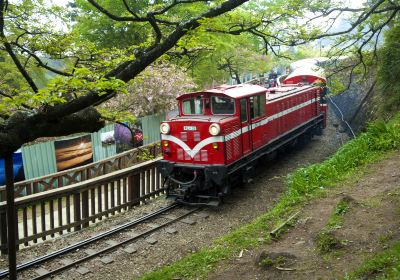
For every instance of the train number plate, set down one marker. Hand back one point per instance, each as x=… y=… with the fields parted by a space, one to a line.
x=189 y=128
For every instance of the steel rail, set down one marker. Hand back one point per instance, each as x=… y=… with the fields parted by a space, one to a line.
x=103 y=251
x=88 y=241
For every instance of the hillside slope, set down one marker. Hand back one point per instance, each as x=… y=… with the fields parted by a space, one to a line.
x=369 y=225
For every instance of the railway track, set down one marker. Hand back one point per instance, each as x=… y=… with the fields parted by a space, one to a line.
x=83 y=251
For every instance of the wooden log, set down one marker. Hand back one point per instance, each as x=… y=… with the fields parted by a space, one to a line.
x=274 y=233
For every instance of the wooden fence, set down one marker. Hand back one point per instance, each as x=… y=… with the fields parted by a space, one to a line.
x=59 y=210
x=86 y=172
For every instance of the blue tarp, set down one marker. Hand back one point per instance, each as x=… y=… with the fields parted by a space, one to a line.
x=18 y=169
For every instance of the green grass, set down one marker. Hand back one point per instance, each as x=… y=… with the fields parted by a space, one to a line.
x=303 y=185
x=326 y=239
x=385 y=265
x=336 y=219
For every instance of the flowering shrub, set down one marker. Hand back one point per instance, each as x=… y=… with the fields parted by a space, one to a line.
x=154 y=90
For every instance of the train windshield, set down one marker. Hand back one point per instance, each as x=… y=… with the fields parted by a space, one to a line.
x=193 y=106
x=222 y=105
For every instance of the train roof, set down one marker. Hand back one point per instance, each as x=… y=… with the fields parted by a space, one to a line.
x=305 y=74
x=233 y=91
x=284 y=90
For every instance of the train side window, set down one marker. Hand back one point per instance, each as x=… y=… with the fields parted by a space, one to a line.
x=222 y=105
x=262 y=104
x=254 y=107
x=257 y=106
x=243 y=110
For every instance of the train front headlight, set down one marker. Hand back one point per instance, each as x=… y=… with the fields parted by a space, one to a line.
x=165 y=128
x=214 y=129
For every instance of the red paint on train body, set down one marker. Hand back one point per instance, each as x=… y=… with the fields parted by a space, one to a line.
x=223 y=130
x=189 y=139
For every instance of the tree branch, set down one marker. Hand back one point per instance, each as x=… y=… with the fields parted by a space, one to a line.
x=111 y=15
x=156 y=29
x=128 y=8
x=21 y=128
x=41 y=63
x=77 y=115
x=175 y=3
x=10 y=51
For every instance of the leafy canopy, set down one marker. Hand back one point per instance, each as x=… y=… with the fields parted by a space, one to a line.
x=101 y=45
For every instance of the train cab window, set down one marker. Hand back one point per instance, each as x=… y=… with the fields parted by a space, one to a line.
x=243 y=110
x=222 y=105
x=193 y=106
x=257 y=106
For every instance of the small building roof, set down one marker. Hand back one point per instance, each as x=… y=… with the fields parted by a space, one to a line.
x=234 y=91
x=308 y=62
x=305 y=74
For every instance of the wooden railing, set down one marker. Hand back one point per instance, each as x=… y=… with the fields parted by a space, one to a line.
x=54 y=212
x=86 y=172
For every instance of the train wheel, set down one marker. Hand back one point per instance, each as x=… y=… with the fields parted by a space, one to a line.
x=226 y=188
x=248 y=174
x=304 y=139
x=318 y=130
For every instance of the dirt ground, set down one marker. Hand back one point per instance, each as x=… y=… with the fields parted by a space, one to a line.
x=370 y=225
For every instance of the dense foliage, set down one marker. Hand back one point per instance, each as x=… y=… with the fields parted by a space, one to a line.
x=95 y=47
x=91 y=72
x=389 y=68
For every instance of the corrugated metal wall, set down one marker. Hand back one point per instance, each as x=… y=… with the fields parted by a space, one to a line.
x=39 y=159
x=151 y=128
x=101 y=151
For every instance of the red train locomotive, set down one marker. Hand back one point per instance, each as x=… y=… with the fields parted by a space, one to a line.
x=220 y=134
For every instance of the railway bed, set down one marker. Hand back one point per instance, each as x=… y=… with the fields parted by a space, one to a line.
x=100 y=245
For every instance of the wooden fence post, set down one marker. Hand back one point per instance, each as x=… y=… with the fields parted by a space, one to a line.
x=77 y=210
x=85 y=207
x=3 y=231
x=85 y=199
x=134 y=189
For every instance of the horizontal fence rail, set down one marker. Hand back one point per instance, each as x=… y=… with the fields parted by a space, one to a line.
x=54 y=212
x=86 y=172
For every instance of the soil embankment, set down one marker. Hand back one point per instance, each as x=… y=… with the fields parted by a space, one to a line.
x=370 y=224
